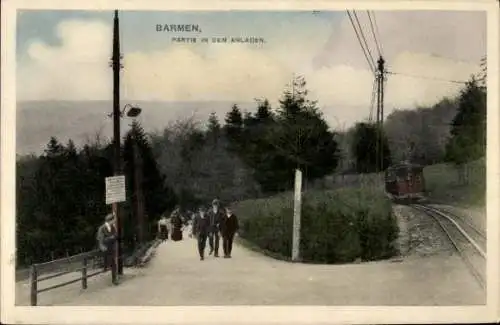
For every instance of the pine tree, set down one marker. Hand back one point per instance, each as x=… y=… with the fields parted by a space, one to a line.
x=156 y=196
x=264 y=112
x=300 y=137
x=214 y=128
x=233 y=128
x=54 y=148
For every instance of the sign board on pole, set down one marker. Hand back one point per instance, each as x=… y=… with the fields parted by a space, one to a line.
x=115 y=189
x=296 y=215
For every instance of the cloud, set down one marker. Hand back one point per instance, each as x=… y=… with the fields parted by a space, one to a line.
x=75 y=70
x=451 y=34
x=331 y=61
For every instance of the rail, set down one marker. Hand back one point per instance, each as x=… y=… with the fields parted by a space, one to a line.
x=85 y=258
x=433 y=212
x=458 y=227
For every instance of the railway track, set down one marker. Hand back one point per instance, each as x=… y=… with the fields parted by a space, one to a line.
x=468 y=240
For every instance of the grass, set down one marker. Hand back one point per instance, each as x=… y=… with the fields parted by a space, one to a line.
x=443 y=184
x=254 y=247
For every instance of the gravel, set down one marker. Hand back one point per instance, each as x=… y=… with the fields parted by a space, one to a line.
x=420 y=235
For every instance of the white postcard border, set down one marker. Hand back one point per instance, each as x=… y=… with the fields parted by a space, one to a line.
x=241 y=314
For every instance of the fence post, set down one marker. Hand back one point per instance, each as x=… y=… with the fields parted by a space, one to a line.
x=34 y=285
x=84 y=273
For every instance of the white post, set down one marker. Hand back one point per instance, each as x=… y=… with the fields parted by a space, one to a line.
x=296 y=216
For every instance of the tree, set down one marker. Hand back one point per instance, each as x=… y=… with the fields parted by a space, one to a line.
x=214 y=128
x=483 y=75
x=233 y=127
x=364 y=147
x=264 y=111
x=198 y=169
x=156 y=195
x=468 y=130
x=61 y=196
x=300 y=138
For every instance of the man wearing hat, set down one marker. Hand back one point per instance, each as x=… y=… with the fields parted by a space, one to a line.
x=200 y=231
x=215 y=216
x=106 y=240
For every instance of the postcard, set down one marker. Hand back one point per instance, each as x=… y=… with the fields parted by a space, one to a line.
x=232 y=162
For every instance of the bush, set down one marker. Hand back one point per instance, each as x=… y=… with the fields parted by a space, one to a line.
x=336 y=226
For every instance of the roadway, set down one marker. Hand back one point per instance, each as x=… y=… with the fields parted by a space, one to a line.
x=176 y=276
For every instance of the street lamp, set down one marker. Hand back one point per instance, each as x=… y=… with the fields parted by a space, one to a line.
x=133 y=111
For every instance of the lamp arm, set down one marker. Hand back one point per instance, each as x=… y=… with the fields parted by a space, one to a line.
x=124 y=108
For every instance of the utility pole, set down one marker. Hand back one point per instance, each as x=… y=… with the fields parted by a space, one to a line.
x=116 y=64
x=380 y=112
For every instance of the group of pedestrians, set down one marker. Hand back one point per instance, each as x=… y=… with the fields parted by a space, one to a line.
x=173 y=225
x=213 y=224
x=210 y=224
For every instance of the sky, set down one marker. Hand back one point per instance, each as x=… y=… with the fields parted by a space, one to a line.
x=64 y=55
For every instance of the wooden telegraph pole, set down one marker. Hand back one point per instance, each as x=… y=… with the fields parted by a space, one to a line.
x=380 y=112
x=116 y=64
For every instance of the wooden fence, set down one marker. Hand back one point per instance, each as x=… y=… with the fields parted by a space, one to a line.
x=333 y=182
x=87 y=261
x=83 y=263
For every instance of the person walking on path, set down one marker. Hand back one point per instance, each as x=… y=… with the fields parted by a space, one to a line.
x=215 y=216
x=229 y=227
x=176 y=221
x=107 y=239
x=163 y=228
x=200 y=230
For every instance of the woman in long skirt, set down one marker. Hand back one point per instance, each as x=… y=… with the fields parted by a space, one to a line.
x=163 y=229
x=176 y=225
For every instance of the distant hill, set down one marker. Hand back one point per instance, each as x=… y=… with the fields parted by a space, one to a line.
x=426 y=128
x=37 y=121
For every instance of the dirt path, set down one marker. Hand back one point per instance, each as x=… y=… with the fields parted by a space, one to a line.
x=176 y=276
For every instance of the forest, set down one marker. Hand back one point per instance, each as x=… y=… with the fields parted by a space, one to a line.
x=242 y=155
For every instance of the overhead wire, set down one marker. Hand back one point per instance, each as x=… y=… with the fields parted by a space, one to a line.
x=428 y=78
x=370 y=63
x=363 y=37
x=381 y=50
x=368 y=55
x=375 y=38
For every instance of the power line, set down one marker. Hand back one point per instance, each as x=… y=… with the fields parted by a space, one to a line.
x=377 y=31
x=428 y=78
x=373 y=33
x=363 y=36
x=361 y=43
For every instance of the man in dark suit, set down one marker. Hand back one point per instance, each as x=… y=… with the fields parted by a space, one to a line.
x=200 y=230
x=106 y=240
x=229 y=227
x=215 y=215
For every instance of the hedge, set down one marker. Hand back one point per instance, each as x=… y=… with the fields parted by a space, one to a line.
x=338 y=226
